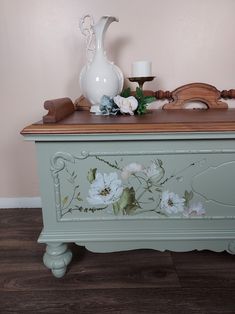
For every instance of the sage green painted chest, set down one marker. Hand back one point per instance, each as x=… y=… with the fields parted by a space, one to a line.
x=111 y=191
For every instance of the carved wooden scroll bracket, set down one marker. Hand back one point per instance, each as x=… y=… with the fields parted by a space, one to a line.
x=58 y=109
x=201 y=92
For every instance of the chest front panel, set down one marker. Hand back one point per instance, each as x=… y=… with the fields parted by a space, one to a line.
x=136 y=179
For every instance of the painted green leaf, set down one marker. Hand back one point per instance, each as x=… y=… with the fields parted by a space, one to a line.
x=116 y=208
x=91 y=175
x=188 y=197
x=65 y=200
x=127 y=203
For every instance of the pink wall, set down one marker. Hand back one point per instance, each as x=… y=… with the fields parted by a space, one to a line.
x=42 y=52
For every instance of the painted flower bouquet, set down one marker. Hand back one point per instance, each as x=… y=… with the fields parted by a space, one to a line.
x=109 y=189
x=125 y=103
x=131 y=188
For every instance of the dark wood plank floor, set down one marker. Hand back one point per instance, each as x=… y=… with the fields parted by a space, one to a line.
x=140 y=281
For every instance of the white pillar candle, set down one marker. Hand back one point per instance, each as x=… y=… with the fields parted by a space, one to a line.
x=141 y=68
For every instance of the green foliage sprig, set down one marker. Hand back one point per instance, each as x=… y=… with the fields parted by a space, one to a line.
x=143 y=101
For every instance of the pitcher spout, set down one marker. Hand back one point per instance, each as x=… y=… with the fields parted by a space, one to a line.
x=100 y=29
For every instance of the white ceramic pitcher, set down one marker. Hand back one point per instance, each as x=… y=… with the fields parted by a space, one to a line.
x=99 y=76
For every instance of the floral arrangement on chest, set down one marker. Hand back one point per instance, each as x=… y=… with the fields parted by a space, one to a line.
x=101 y=81
x=125 y=103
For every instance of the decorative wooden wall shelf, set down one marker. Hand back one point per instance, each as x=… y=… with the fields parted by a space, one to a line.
x=202 y=92
x=205 y=93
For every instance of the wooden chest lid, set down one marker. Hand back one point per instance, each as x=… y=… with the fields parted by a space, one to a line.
x=82 y=122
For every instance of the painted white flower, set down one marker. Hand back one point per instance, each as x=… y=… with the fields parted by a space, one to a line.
x=154 y=172
x=105 y=189
x=131 y=169
x=126 y=105
x=171 y=203
x=195 y=209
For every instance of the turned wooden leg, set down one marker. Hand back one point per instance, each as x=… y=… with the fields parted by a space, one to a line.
x=231 y=247
x=57 y=257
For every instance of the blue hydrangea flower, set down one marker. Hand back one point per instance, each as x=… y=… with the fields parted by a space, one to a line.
x=108 y=106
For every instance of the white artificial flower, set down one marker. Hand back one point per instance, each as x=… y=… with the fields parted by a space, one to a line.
x=126 y=105
x=131 y=169
x=171 y=203
x=105 y=189
x=154 y=172
x=196 y=209
x=95 y=109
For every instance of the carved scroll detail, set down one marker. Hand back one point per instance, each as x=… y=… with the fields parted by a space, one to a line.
x=221 y=175
x=58 y=109
x=228 y=94
x=160 y=94
x=231 y=247
x=58 y=164
x=204 y=93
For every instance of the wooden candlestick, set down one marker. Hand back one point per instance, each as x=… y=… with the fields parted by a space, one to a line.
x=141 y=80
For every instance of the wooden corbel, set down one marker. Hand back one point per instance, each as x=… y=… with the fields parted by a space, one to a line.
x=58 y=109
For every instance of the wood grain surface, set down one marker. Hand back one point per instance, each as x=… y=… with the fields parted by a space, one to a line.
x=82 y=122
x=138 y=281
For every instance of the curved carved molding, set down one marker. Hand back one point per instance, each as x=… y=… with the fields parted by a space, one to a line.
x=202 y=92
x=86 y=154
x=160 y=245
x=222 y=179
x=231 y=247
x=58 y=160
x=58 y=163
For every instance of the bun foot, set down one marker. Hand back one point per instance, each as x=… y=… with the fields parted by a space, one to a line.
x=57 y=257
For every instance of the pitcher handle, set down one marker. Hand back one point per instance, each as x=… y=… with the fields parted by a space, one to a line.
x=86 y=25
